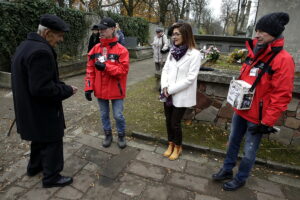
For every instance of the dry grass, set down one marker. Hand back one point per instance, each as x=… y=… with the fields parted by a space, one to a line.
x=144 y=113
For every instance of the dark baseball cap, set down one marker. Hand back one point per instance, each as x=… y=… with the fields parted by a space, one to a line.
x=106 y=22
x=54 y=22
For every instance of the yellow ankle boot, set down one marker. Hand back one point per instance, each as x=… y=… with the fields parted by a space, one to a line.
x=170 y=149
x=176 y=152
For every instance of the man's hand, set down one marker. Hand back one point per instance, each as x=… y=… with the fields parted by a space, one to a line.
x=262 y=129
x=75 y=89
x=88 y=95
x=100 y=66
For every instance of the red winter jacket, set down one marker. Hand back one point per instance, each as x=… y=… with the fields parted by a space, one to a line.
x=275 y=87
x=110 y=83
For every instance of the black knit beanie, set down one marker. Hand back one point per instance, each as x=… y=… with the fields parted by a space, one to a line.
x=273 y=23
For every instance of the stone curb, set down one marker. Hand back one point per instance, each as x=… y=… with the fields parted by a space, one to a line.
x=139 y=59
x=219 y=152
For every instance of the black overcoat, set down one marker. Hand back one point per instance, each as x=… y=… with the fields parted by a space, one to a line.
x=37 y=91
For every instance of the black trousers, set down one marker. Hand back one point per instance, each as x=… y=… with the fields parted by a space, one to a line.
x=173 y=123
x=46 y=157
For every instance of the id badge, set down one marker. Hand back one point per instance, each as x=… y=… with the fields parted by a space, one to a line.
x=254 y=72
x=102 y=59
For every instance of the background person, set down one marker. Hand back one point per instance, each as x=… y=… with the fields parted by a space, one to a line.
x=38 y=94
x=160 y=44
x=94 y=38
x=272 y=95
x=106 y=76
x=179 y=82
x=120 y=35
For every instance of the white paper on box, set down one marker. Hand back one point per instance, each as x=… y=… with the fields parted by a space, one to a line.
x=239 y=96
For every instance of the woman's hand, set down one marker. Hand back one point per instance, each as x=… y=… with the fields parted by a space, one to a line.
x=165 y=91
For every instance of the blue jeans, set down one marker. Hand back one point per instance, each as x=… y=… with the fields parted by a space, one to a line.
x=117 y=107
x=239 y=129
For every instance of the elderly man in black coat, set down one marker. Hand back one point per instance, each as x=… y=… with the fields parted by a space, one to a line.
x=38 y=94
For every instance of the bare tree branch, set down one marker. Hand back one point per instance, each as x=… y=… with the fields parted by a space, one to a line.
x=112 y=4
x=130 y=5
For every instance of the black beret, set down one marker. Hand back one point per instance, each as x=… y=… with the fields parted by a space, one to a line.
x=95 y=27
x=273 y=23
x=54 y=22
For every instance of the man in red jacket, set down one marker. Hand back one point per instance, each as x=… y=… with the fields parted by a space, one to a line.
x=106 y=76
x=273 y=93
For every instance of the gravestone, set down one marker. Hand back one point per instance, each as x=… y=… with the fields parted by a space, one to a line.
x=131 y=42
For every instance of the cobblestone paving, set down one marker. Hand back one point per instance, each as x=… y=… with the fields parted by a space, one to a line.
x=140 y=172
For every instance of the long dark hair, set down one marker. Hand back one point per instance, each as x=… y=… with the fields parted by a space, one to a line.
x=187 y=34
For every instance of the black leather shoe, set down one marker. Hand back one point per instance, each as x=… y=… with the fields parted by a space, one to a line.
x=233 y=185
x=63 y=181
x=222 y=175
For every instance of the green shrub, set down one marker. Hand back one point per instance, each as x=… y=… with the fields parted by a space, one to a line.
x=19 y=18
x=132 y=26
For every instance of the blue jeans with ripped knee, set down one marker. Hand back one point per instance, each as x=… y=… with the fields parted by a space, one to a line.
x=239 y=129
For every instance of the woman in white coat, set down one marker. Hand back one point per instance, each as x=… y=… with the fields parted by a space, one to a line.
x=179 y=84
x=160 y=47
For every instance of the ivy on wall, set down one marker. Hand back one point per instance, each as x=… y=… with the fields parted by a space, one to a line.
x=19 y=18
x=132 y=26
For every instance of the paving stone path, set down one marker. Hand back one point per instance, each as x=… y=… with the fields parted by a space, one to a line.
x=140 y=172
x=136 y=172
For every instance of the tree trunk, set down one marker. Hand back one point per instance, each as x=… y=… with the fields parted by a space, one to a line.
x=242 y=16
x=236 y=19
x=71 y=3
x=61 y=3
x=163 y=9
x=182 y=10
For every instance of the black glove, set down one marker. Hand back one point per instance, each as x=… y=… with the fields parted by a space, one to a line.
x=100 y=66
x=88 y=95
x=262 y=129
